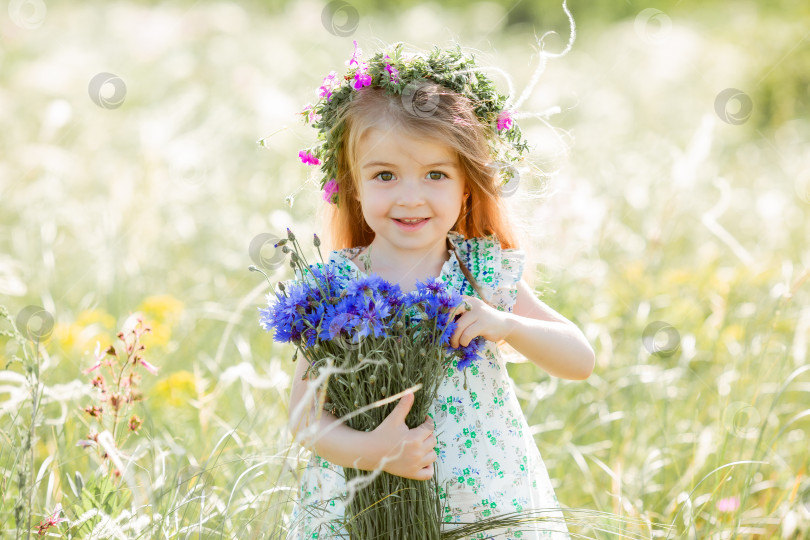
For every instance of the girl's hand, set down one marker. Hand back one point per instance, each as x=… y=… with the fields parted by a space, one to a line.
x=405 y=452
x=479 y=320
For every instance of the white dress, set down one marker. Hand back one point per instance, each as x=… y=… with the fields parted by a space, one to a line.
x=488 y=462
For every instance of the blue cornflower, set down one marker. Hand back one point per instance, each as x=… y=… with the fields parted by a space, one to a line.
x=372 y=310
x=372 y=286
x=470 y=352
x=341 y=318
x=433 y=285
x=431 y=305
x=449 y=298
x=450 y=327
x=384 y=287
x=323 y=305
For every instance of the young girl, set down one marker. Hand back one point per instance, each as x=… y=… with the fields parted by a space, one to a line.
x=416 y=151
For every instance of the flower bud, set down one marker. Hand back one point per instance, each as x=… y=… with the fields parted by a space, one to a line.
x=116 y=401
x=290 y=235
x=134 y=423
x=316 y=241
x=372 y=379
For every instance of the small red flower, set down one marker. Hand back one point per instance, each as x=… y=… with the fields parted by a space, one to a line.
x=51 y=520
x=116 y=400
x=148 y=367
x=135 y=423
x=94 y=411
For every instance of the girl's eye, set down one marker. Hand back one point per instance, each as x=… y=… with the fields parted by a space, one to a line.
x=386 y=176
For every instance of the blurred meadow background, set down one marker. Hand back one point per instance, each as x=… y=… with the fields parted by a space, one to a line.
x=674 y=235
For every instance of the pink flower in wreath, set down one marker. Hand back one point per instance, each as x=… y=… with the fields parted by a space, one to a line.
x=330 y=191
x=504 y=120
x=308 y=159
x=361 y=77
x=330 y=82
x=310 y=114
x=393 y=72
x=355 y=59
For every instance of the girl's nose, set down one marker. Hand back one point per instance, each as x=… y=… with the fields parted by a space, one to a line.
x=410 y=193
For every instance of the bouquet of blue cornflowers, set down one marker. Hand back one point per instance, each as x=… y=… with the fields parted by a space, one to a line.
x=372 y=341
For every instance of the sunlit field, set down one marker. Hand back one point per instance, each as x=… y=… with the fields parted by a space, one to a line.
x=149 y=150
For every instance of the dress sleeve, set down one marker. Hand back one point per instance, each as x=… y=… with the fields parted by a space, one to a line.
x=512 y=262
x=497 y=271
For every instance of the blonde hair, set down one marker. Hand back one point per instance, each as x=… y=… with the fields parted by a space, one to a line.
x=453 y=122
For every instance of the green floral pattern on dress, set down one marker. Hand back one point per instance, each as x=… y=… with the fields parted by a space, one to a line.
x=488 y=462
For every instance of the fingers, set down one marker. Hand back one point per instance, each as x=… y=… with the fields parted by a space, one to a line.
x=415 y=458
x=461 y=308
x=425 y=473
x=428 y=426
x=456 y=338
x=432 y=442
x=461 y=328
x=402 y=409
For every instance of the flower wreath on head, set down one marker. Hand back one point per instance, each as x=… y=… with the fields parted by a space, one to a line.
x=402 y=74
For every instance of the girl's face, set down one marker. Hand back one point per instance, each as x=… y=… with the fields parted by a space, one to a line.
x=406 y=177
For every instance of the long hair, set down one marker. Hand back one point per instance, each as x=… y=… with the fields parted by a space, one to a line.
x=451 y=120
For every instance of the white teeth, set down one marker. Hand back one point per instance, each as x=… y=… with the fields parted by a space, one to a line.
x=412 y=220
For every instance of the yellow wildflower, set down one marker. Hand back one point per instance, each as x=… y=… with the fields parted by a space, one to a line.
x=177 y=388
x=161 y=312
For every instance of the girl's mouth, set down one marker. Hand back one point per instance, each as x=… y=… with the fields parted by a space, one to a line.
x=413 y=226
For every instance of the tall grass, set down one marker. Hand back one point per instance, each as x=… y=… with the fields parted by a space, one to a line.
x=676 y=240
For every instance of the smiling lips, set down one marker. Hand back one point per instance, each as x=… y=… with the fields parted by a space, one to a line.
x=411 y=225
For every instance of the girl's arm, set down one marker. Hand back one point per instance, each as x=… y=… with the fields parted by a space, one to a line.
x=392 y=445
x=548 y=339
